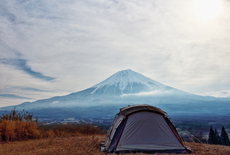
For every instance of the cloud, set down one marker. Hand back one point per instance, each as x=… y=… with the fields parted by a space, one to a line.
x=13 y=96
x=21 y=64
x=31 y=89
x=223 y=93
x=151 y=93
x=68 y=46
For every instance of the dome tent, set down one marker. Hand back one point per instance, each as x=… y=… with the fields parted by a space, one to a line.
x=142 y=128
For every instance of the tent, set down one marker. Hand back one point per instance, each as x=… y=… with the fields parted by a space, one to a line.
x=142 y=128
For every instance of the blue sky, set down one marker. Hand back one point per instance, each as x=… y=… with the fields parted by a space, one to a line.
x=55 y=47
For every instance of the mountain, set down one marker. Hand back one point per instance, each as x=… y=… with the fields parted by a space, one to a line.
x=128 y=82
x=123 y=88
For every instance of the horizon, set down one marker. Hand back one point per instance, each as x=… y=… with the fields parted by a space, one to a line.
x=53 y=48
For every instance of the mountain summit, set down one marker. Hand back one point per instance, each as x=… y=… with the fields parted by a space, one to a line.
x=126 y=82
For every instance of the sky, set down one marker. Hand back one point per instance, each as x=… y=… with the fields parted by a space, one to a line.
x=56 y=47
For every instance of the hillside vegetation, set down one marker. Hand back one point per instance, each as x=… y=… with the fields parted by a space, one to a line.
x=86 y=145
x=15 y=126
x=70 y=139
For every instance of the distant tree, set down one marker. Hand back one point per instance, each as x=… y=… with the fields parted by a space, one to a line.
x=217 y=137
x=214 y=137
x=224 y=137
x=211 y=137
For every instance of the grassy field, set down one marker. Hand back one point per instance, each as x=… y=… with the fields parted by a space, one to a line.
x=86 y=145
x=80 y=145
x=21 y=135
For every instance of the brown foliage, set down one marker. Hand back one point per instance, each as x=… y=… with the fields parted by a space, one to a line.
x=15 y=126
x=17 y=130
x=87 y=145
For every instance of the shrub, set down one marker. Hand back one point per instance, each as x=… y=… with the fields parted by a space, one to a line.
x=18 y=126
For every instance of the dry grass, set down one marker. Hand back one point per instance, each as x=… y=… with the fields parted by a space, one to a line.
x=15 y=126
x=18 y=130
x=82 y=145
x=86 y=145
x=207 y=149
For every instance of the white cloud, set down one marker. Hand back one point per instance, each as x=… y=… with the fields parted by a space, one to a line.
x=80 y=43
x=151 y=93
x=224 y=93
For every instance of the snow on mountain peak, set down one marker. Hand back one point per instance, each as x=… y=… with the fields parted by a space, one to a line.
x=127 y=77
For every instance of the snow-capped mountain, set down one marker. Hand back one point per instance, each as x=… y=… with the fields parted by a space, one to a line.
x=128 y=82
x=123 y=88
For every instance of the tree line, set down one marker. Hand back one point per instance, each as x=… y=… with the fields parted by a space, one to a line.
x=215 y=138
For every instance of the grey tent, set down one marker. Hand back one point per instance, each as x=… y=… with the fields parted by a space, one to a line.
x=142 y=128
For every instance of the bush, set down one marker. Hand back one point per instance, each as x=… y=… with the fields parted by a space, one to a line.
x=17 y=130
x=18 y=126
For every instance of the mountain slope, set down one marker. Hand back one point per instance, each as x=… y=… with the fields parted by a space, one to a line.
x=121 y=89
